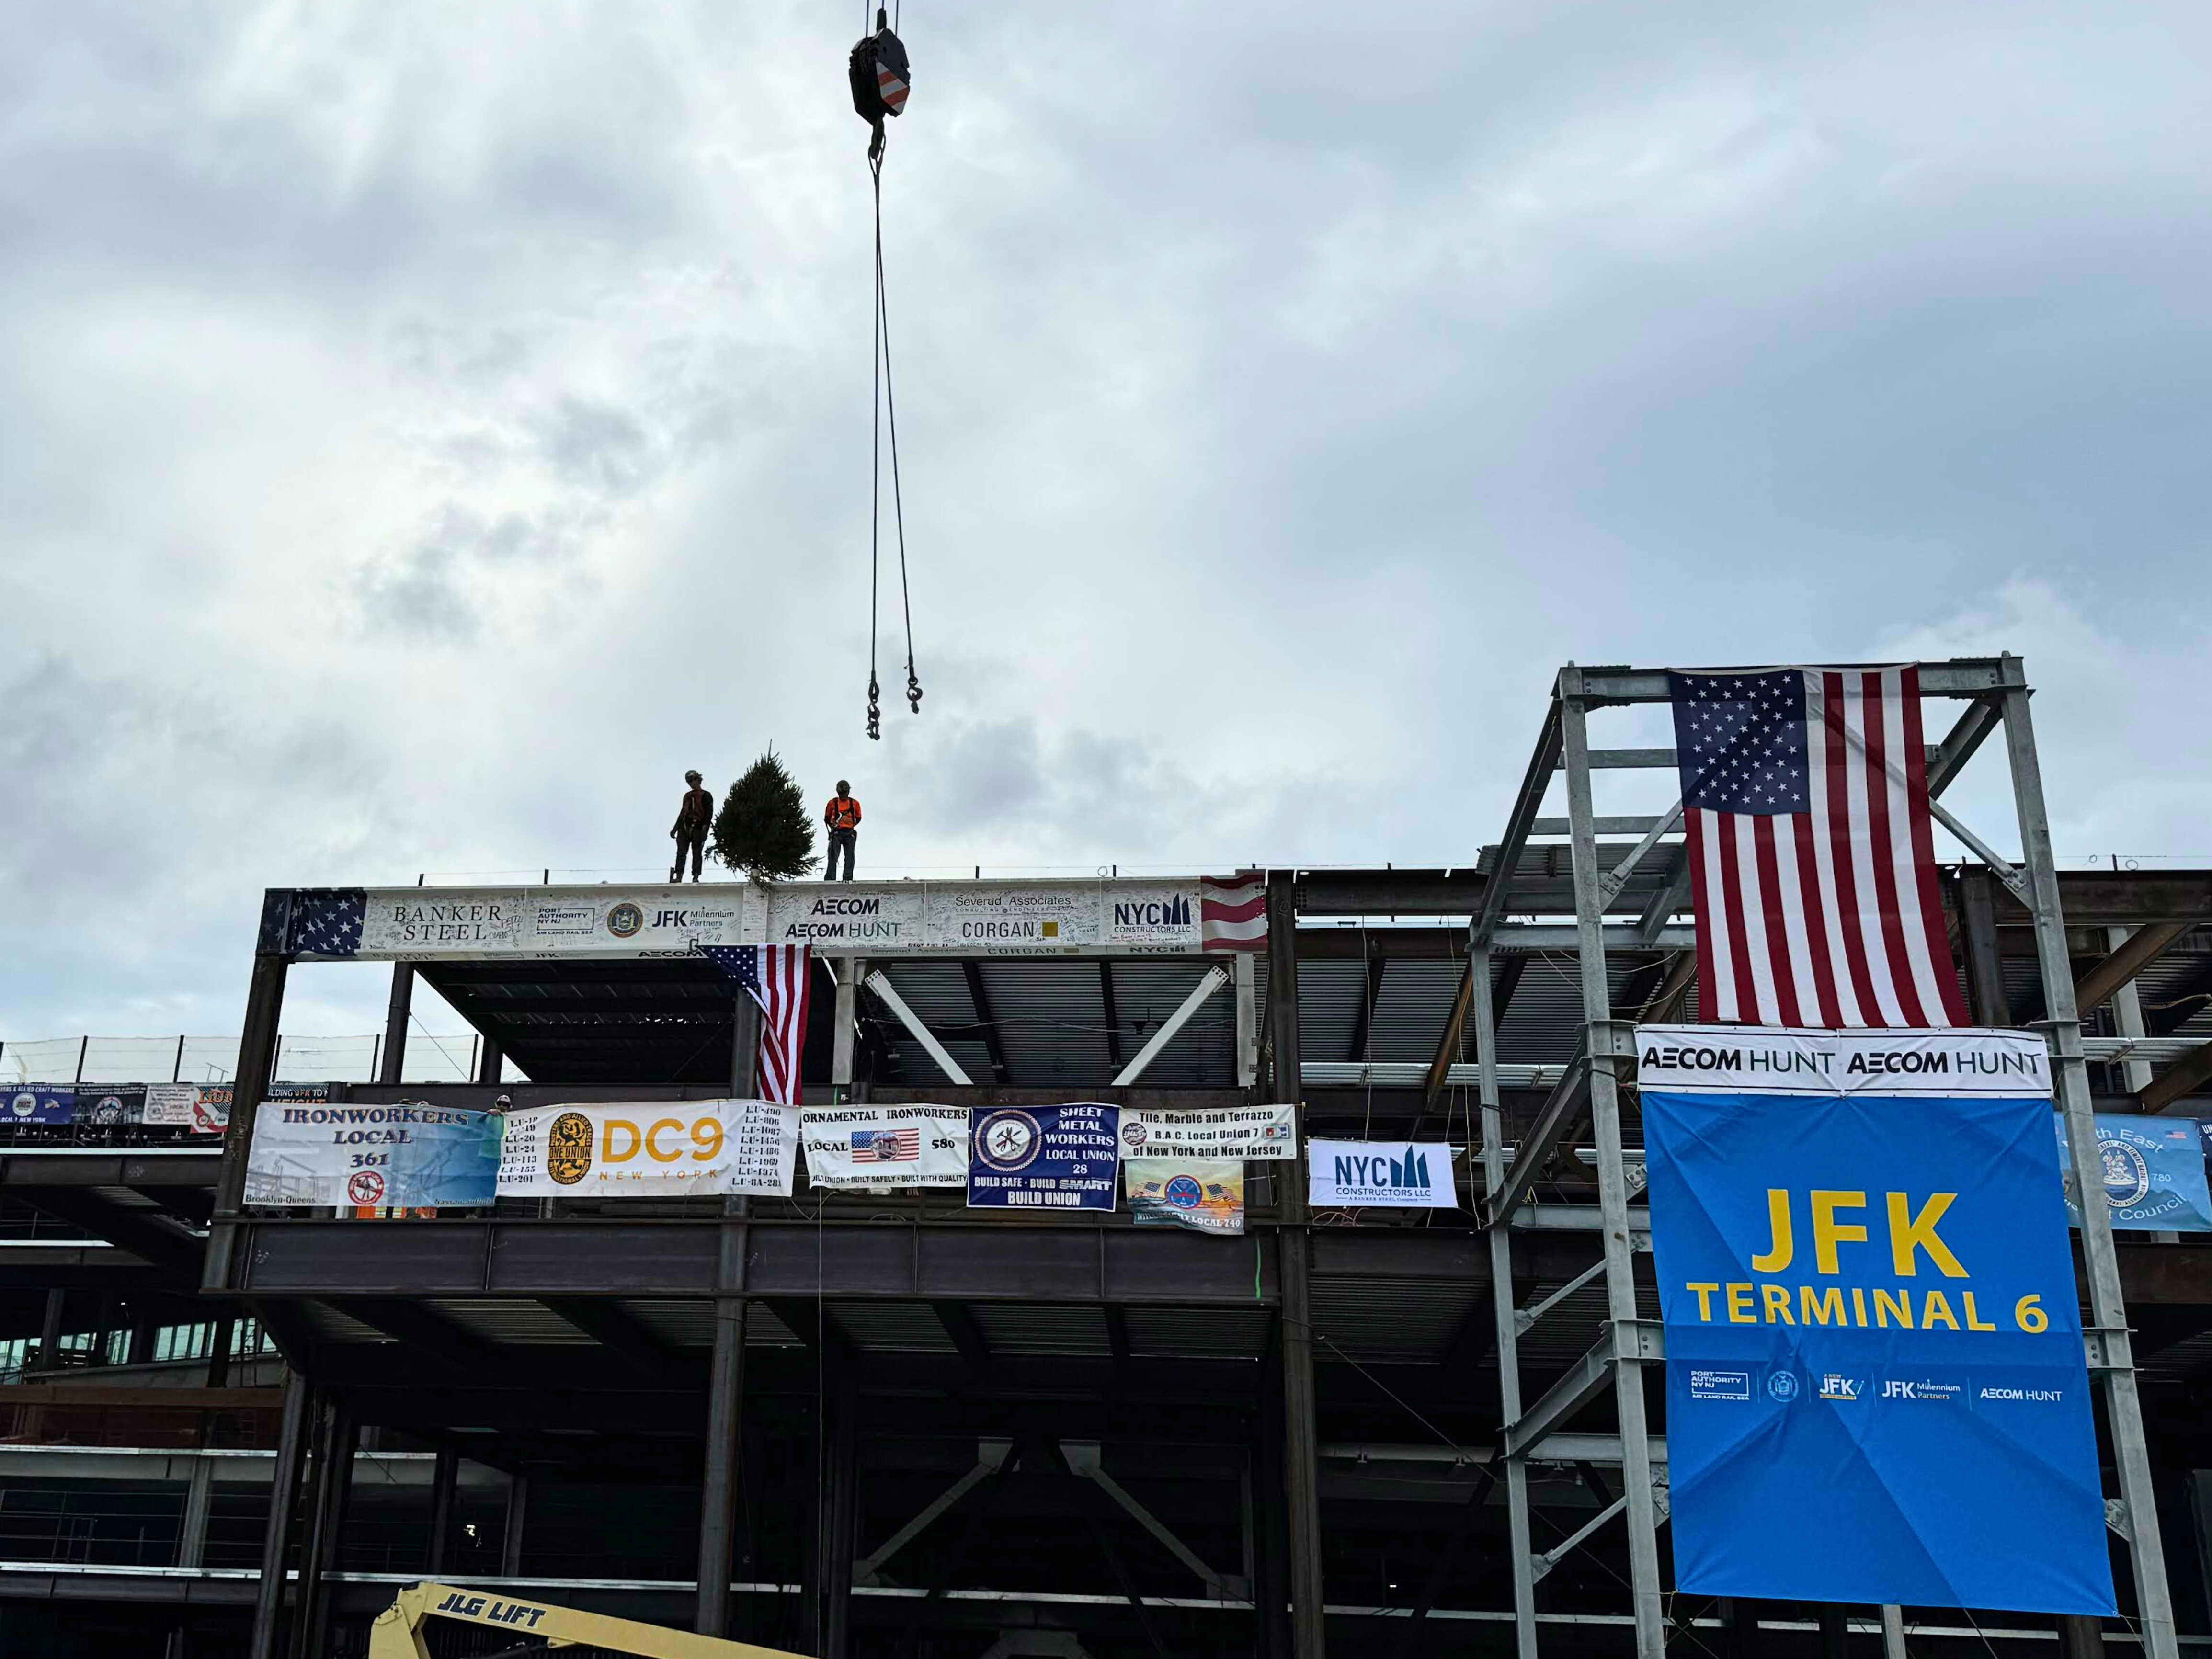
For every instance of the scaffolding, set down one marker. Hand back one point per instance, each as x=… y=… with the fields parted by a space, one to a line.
x=1996 y=693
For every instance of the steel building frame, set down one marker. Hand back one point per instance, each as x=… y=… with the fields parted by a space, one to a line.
x=1996 y=692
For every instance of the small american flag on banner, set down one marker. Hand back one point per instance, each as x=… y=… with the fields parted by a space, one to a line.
x=887 y=1146
x=1232 y=912
x=779 y=978
x=1805 y=796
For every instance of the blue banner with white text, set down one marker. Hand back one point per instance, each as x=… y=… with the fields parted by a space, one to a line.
x=1044 y=1158
x=2153 y=1170
x=1875 y=1385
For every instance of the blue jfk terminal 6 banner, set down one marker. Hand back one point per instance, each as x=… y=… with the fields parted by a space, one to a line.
x=1875 y=1384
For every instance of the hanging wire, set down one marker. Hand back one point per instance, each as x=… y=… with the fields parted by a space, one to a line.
x=883 y=413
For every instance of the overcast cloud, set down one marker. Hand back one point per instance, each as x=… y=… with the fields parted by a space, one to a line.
x=425 y=430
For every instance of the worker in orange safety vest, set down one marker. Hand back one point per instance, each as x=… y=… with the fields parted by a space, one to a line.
x=842 y=815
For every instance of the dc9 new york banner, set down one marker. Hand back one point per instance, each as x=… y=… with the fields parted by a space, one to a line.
x=1875 y=1385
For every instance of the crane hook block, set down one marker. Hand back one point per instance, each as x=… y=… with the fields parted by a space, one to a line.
x=879 y=74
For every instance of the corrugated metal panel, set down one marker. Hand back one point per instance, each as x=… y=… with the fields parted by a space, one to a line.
x=1192 y=1333
x=1389 y=1319
x=504 y=1321
x=889 y=1327
x=1414 y=1008
x=332 y=1326
x=690 y=1324
x=1038 y=1328
x=1051 y=1019
x=1329 y=995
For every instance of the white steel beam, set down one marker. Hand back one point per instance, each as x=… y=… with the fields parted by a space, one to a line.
x=879 y=982
x=1216 y=977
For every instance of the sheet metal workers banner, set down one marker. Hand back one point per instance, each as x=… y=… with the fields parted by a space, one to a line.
x=1223 y=1132
x=880 y=1146
x=1875 y=1386
x=418 y=1155
x=2153 y=1173
x=1044 y=1158
x=654 y=1149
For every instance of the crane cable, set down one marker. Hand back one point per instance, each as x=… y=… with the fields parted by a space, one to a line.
x=883 y=414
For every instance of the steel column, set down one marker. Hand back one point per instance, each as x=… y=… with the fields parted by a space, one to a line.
x=49 y=1329
x=842 y=1531
x=1501 y=1306
x=517 y=1515
x=842 y=1039
x=283 y=1493
x=445 y=1479
x=1893 y=1632
x=221 y=1340
x=2127 y=1016
x=718 y=1507
x=192 y=1525
x=396 y=1014
x=491 y=1061
x=334 y=1439
x=1248 y=1019
x=256 y=1058
x=1300 y=1451
x=2107 y=1307
x=745 y=1047
x=1641 y=1514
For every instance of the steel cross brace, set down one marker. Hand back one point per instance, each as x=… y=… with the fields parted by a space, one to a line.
x=1625 y=1339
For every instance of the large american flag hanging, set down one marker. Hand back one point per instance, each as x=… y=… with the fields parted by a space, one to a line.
x=778 y=977
x=1805 y=795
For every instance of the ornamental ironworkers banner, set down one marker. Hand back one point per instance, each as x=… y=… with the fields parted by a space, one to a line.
x=1222 y=1132
x=415 y=1156
x=1380 y=1175
x=881 y=1146
x=651 y=1149
x=1206 y=1194
x=1044 y=1158
x=2153 y=1173
x=1875 y=1384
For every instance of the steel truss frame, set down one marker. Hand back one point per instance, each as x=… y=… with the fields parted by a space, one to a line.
x=1996 y=692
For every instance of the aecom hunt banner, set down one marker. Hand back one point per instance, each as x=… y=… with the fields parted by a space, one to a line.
x=1875 y=1384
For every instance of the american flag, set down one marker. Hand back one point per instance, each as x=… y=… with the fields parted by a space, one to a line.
x=327 y=921
x=887 y=1146
x=778 y=977
x=1805 y=795
x=1232 y=912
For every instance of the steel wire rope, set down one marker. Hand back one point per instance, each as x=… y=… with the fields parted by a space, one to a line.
x=883 y=413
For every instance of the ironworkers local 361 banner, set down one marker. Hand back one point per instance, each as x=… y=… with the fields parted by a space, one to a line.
x=1875 y=1384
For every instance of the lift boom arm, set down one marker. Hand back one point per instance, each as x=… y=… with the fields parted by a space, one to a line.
x=398 y=1632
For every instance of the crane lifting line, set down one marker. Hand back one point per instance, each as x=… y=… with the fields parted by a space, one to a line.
x=883 y=413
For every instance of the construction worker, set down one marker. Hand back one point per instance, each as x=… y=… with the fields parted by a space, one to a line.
x=842 y=815
x=693 y=819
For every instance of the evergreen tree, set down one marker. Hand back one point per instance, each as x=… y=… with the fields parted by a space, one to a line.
x=764 y=829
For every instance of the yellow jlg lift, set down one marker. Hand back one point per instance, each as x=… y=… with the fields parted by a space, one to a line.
x=398 y=1632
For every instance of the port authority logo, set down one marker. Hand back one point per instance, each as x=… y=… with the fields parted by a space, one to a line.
x=625 y=920
x=1008 y=1141
x=1847 y=1388
x=1782 y=1387
x=1710 y=1383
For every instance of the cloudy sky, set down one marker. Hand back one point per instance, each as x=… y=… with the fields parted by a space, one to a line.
x=425 y=430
